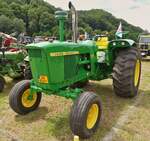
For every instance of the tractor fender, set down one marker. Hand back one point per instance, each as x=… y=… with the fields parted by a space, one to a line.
x=121 y=43
x=116 y=45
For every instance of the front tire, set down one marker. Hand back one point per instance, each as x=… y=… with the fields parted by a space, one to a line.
x=127 y=72
x=20 y=99
x=86 y=115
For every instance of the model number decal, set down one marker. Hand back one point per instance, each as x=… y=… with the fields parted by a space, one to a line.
x=55 y=54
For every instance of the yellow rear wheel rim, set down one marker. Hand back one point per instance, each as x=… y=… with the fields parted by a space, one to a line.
x=137 y=73
x=92 y=116
x=26 y=102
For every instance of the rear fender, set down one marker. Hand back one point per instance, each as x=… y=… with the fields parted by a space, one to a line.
x=116 y=45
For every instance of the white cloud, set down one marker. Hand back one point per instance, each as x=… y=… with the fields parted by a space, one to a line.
x=134 y=11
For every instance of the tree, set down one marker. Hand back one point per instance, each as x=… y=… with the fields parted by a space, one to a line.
x=5 y=9
x=18 y=25
x=46 y=22
x=5 y=24
x=38 y=18
x=16 y=10
x=81 y=30
x=25 y=17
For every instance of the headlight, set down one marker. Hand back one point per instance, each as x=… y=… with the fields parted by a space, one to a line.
x=114 y=43
x=123 y=43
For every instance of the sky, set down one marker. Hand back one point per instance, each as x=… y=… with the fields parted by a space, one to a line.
x=136 y=12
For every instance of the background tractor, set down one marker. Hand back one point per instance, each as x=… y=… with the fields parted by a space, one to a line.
x=11 y=64
x=59 y=68
x=12 y=61
x=144 y=45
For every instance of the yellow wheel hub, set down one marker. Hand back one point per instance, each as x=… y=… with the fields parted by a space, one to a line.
x=137 y=73
x=26 y=102
x=92 y=116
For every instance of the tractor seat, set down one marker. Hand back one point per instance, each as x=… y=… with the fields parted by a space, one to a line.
x=102 y=42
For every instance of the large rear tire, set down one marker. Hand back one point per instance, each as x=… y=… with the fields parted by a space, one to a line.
x=127 y=72
x=85 y=115
x=20 y=99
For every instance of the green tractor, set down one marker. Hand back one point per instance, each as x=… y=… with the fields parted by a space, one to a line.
x=13 y=59
x=61 y=68
x=11 y=64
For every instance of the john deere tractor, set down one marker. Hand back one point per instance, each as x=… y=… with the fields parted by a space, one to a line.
x=58 y=66
x=11 y=64
x=11 y=58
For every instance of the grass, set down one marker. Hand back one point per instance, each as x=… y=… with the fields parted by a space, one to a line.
x=137 y=128
x=51 y=121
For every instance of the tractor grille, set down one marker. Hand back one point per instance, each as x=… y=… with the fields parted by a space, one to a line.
x=70 y=66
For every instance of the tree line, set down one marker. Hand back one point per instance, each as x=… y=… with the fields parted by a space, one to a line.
x=36 y=17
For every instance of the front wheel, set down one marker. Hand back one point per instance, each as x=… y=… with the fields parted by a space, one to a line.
x=127 y=72
x=20 y=99
x=85 y=115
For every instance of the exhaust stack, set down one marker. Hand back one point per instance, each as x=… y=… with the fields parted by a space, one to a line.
x=74 y=21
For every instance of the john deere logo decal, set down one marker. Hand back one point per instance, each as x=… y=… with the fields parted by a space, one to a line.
x=54 y=54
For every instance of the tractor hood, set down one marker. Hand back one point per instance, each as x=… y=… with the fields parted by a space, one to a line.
x=58 y=62
x=57 y=44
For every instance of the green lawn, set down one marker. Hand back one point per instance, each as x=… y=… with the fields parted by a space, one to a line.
x=50 y=121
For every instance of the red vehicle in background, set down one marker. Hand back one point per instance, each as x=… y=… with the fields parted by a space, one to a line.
x=7 y=40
